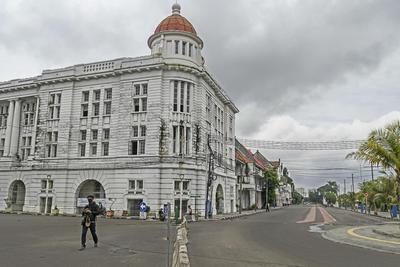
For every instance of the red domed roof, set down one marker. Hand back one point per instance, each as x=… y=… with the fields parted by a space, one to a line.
x=175 y=22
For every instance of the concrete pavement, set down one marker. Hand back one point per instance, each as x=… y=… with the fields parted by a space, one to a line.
x=54 y=241
x=275 y=239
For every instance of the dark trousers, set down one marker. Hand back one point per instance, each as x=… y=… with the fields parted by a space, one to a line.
x=92 y=228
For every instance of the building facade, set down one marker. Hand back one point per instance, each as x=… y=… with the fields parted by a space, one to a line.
x=126 y=130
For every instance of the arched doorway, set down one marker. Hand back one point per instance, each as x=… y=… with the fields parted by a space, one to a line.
x=86 y=188
x=219 y=200
x=16 y=195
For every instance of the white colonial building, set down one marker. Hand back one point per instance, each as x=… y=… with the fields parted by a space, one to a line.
x=126 y=130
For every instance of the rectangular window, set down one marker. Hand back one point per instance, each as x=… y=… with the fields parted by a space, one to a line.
x=136 y=104
x=83 y=135
x=82 y=150
x=108 y=93
x=107 y=108
x=175 y=96
x=182 y=102
x=177 y=185
x=32 y=118
x=183 y=48
x=137 y=89
x=139 y=184
x=55 y=136
x=95 y=134
x=54 y=150
x=133 y=148
x=96 y=95
x=187 y=143
x=142 y=130
x=50 y=184
x=85 y=110
x=49 y=136
x=142 y=146
x=51 y=112
x=181 y=139
x=144 y=88
x=132 y=185
x=48 y=148
x=106 y=134
x=144 y=104
x=85 y=96
x=188 y=98
x=52 y=100
x=57 y=112
x=93 y=149
x=135 y=131
x=176 y=47
x=96 y=109
x=190 y=49
x=44 y=184
x=105 y=148
x=174 y=138
x=26 y=120
x=185 y=185
x=58 y=98
x=29 y=140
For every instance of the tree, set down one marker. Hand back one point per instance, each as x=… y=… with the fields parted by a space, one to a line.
x=382 y=148
x=271 y=176
x=297 y=198
x=330 y=198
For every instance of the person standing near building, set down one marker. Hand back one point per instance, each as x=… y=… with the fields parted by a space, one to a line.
x=89 y=214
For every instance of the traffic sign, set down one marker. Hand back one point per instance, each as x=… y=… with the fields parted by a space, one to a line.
x=143 y=207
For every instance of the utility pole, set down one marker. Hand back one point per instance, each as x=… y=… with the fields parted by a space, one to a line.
x=240 y=188
x=352 y=196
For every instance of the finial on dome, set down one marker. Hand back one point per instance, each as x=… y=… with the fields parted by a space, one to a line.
x=176 y=9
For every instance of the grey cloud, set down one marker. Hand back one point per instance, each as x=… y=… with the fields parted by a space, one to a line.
x=299 y=48
x=273 y=55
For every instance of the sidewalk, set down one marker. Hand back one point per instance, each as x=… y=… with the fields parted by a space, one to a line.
x=384 y=238
x=381 y=214
x=229 y=216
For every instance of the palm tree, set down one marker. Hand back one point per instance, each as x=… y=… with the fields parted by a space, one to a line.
x=383 y=148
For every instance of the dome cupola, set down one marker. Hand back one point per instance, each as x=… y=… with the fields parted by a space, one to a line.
x=176 y=38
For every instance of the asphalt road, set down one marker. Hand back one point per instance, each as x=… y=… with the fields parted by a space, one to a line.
x=54 y=241
x=275 y=239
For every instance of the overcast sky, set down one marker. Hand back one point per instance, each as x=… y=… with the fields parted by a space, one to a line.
x=297 y=70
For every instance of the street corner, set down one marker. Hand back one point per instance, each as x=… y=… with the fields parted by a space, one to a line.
x=383 y=238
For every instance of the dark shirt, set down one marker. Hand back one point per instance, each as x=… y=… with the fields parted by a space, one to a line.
x=94 y=208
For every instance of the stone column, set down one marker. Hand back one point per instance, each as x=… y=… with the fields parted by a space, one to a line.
x=15 y=128
x=10 y=118
x=34 y=132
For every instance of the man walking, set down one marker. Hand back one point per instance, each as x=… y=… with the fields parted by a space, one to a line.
x=89 y=221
